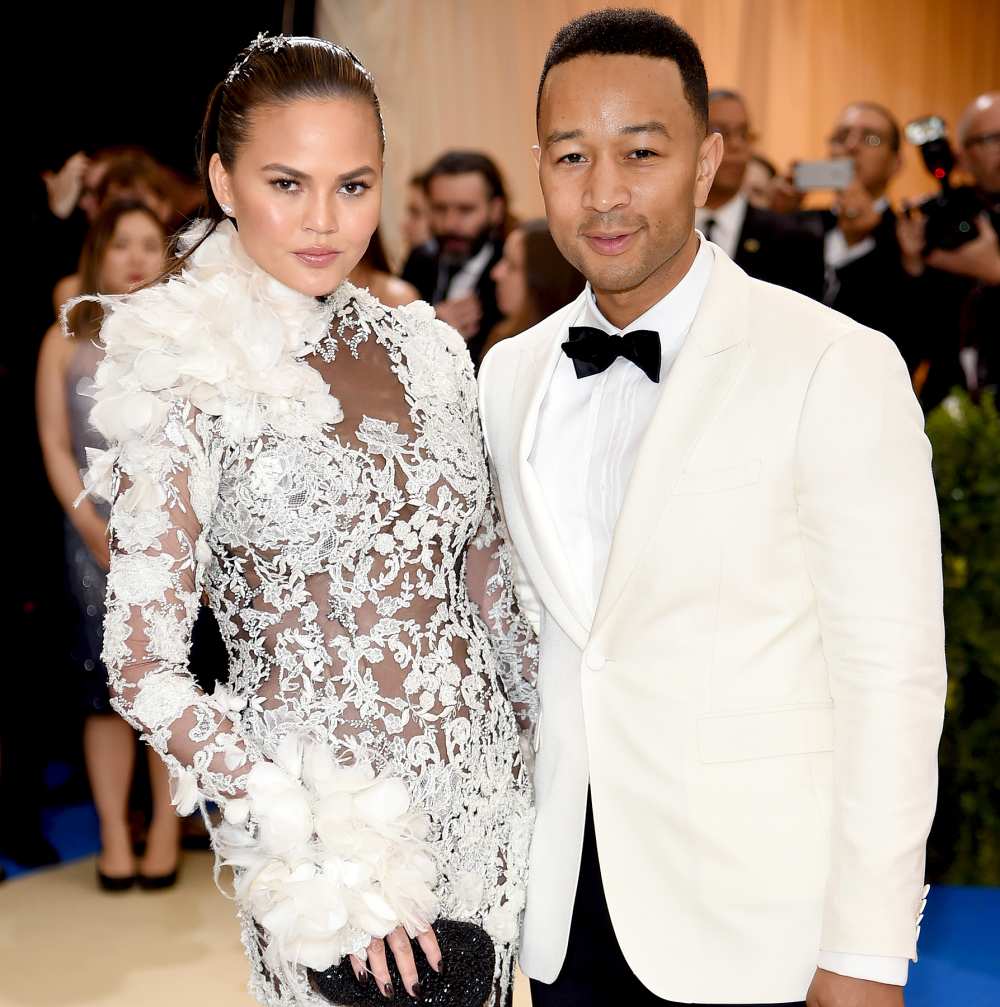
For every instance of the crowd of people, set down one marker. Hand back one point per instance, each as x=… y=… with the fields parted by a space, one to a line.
x=492 y=276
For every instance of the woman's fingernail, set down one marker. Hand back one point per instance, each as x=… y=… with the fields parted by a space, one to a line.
x=417 y=990
x=362 y=978
x=388 y=992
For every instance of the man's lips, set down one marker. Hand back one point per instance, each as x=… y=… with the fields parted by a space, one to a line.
x=613 y=243
x=316 y=257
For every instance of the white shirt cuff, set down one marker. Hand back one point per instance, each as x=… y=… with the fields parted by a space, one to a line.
x=874 y=968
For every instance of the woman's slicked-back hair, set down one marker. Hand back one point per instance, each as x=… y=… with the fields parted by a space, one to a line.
x=619 y=31
x=273 y=71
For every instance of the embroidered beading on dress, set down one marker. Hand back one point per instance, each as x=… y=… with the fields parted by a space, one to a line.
x=350 y=548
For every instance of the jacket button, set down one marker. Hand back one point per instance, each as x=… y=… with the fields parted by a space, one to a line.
x=595 y=660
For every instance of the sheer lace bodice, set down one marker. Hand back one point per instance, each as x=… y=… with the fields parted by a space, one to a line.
x=354 y=558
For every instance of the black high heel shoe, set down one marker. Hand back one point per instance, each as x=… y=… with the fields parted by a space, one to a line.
x=109 y=884
x=157 y=882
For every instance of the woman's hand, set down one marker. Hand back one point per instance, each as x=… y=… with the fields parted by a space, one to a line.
x=400 y=946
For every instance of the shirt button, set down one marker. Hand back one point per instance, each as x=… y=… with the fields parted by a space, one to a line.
x=595 y=660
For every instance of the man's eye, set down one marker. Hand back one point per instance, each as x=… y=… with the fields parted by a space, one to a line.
x=643 y=154
x=571 y=159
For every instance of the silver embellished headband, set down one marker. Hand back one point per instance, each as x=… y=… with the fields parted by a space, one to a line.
x=274 y=43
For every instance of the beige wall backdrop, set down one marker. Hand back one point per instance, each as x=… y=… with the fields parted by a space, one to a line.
x=463 y=73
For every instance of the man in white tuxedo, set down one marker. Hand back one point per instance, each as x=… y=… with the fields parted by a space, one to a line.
x=720 y=494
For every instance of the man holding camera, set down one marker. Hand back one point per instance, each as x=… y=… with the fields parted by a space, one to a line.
x=864 y=275
x=959 y=288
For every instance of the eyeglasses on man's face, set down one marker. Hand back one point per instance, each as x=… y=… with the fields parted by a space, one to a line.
x=736 y=134
x=983 y=140
x=867 y=137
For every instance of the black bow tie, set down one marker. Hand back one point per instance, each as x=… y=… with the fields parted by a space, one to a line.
x=594 y=350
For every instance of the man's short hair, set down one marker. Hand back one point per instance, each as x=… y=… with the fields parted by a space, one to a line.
x=895 y=133
x=627 y=32
x=726 y=93
x=464 y=162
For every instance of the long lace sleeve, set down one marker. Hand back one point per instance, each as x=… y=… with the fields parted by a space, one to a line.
x=490 y=580
x=163 y=490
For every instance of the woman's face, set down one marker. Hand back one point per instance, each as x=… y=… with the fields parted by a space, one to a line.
x=416 y=218
x=306 y=189
x=510 y=276
x=134 y=255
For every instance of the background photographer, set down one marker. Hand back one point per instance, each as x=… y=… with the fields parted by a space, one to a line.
x=959 y=289
x=864 y=274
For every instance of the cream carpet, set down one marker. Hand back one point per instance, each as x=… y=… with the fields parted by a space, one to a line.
x=63 y=942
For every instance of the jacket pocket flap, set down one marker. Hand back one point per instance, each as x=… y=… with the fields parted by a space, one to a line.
x=741 y=736
x=716 y=480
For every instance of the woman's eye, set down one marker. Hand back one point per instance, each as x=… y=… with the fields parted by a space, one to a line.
x=355 y=188
x=285 y=184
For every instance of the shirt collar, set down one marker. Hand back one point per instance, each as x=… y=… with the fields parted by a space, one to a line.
x=728 y=216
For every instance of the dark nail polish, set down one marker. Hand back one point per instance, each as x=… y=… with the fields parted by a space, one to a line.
x=417 y=991
x=439 y=968
x=362 y=978
x=388 y=992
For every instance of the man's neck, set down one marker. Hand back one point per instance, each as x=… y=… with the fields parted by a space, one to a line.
x=717 y=197
x=622 y=307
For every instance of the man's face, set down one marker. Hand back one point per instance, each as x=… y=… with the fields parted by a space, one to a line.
x=623 y=162
x=462 y=212
x=728 y=118
x=864 y=135
x=981 y=152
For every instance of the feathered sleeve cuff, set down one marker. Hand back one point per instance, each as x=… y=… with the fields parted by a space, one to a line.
x=326 y=856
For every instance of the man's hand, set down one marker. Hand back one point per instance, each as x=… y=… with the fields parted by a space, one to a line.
x=979 y=258
x=463 y=313
x=64 y=187
x=785 y=198
x=911 y=228
x=828 y=989
x=857 y=216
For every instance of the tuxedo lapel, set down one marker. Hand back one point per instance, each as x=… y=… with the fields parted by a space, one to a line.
x=556 y=587
x=711 y=361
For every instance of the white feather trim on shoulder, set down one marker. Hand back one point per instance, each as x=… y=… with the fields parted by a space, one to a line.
x=224 y=335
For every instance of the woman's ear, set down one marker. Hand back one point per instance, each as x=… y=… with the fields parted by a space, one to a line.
x=220 y=181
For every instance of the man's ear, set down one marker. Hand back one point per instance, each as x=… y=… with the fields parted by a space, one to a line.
x=536 y=153
x=709 y=158
x=220 y=181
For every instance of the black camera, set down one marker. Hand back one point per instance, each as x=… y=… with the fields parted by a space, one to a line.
x=951 y=214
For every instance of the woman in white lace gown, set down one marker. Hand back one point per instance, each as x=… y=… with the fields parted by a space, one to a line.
x=311 y=462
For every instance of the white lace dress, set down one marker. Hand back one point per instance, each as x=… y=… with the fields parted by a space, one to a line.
x=316 y=471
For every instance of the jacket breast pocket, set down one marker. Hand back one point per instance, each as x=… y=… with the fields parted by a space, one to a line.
x=719 y=480
x=737 y=737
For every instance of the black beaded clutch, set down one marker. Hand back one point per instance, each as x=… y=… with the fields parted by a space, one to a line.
x=466 y=979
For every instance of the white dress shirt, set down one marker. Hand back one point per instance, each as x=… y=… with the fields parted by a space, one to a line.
x=588 y=438
x=727 y=223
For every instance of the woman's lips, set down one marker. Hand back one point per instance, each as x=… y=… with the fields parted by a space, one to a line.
x=316 y=258
x=610 y=244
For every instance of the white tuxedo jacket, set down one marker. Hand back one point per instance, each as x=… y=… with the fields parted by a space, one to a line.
x=758 y=701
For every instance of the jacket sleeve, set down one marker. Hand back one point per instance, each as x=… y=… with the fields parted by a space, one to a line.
x=870 y=533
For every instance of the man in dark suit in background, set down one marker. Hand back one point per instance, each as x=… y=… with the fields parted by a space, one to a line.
x=468 y=207
x=769 y=246
x=865 y=278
